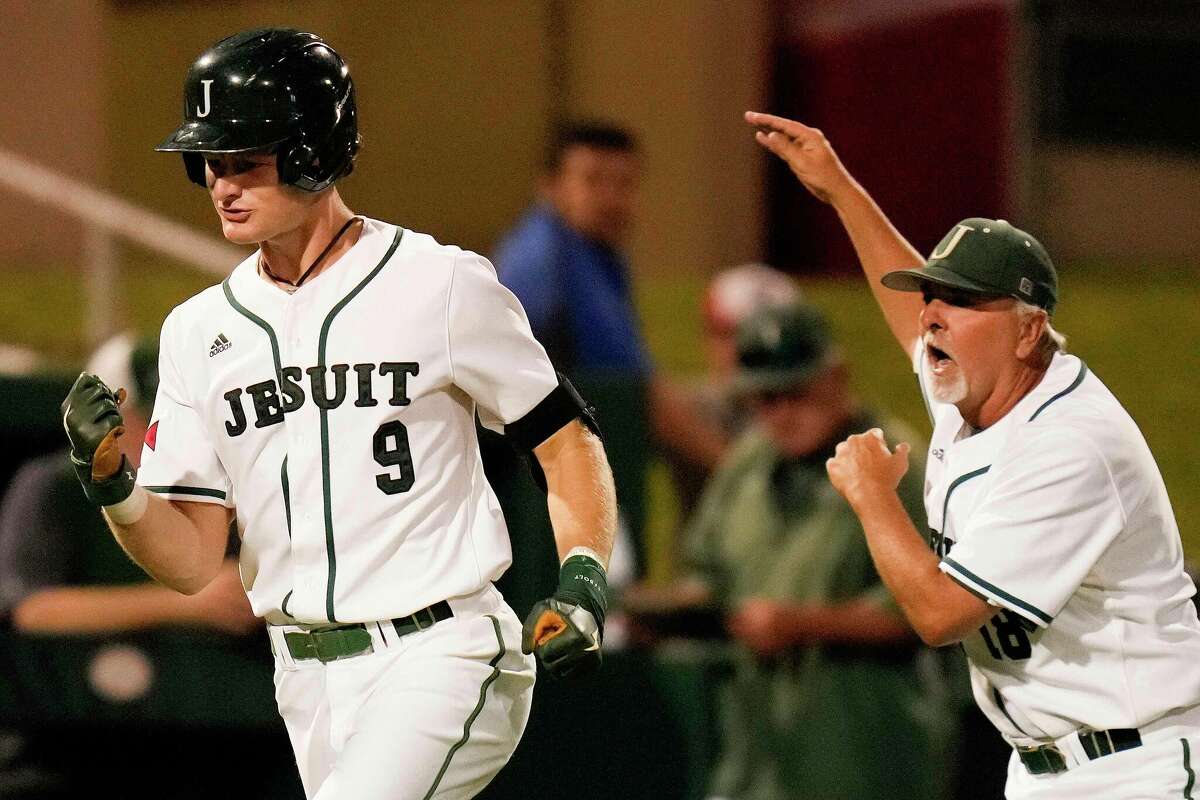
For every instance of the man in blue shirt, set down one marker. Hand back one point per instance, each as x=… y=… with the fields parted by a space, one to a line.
x=563 y=260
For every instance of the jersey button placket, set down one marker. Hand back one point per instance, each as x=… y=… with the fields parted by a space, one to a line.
x=290 y=347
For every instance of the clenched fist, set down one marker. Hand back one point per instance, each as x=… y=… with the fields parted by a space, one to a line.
x=565 y=631
x=92 y=419
x=863 y=467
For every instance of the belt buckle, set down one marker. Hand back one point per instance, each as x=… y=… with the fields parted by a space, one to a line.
x=329 y=644
x=323 y=643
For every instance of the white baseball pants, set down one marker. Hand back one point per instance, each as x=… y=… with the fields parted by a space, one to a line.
x=433 y=714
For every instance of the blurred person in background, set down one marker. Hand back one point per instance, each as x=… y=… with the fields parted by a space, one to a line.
x=61 y=572
x=731 y=296
x=827 y=698
x=564 y=262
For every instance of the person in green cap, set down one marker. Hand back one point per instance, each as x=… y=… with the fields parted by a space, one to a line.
x=1054 y=557
x=826 y=699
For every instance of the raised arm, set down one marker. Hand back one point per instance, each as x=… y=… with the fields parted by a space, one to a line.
x=879 y=246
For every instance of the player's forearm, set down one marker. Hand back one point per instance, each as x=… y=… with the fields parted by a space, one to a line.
x=180 y=551
x=856 y=622
x=580 y=492
x=909 y=569
x=78 y=610
x=880 y=249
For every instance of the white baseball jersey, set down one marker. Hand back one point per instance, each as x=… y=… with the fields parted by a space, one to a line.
x=339 y=420
x=1057 y=515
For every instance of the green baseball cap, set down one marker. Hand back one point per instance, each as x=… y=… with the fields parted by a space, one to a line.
x=780 y=348
x=986 y=256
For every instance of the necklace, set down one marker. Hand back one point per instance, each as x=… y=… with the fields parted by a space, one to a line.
x=262 y=262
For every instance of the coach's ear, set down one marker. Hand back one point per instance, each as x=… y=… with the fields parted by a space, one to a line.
x=1030 y=328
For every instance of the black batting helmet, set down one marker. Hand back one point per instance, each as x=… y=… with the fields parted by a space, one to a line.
x=270 y=89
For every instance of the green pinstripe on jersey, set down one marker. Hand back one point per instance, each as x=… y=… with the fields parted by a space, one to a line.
x=275 y=360
x=996 y=590
x=1037 y=612
x=287 y=512
x=330 y=549
x=961 y=479
x=1074 y=385
x=1187 y=766
x=260 y=322
x=488 y=681
x=287 y=496
x=999 y=701
x=190 y=490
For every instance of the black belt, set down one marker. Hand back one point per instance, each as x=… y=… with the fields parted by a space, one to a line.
x=422 y=619
x=1048 y=758
x=347 y=641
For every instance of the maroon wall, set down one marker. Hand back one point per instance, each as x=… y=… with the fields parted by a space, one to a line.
x=918 y=107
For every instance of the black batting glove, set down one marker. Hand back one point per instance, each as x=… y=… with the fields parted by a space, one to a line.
x=565 y=631
x=93 y=422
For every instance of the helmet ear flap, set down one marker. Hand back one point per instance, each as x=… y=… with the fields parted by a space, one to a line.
x=300 y=165
x=293 y=161
x=194 y=164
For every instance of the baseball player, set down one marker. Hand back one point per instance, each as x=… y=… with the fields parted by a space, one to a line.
x=325 y=394
x=1056 y=558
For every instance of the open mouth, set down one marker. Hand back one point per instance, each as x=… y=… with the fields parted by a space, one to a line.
x=939 y=359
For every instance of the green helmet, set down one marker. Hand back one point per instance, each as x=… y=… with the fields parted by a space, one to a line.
x=780 y=348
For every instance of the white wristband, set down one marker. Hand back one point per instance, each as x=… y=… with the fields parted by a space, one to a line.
x=131 y=509
x=589 y=552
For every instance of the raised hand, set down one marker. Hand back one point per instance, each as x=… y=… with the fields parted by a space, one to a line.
x=805 y=150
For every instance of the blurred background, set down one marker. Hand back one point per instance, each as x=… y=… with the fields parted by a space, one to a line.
x=1076 y=121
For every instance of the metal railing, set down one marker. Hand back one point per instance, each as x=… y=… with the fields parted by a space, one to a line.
x=106 y=217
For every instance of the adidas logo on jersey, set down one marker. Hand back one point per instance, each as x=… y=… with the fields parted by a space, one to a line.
x=219 y=345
